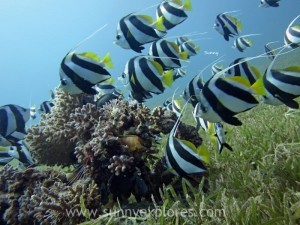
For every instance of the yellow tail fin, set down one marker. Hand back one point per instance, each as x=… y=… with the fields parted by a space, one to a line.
x=168 y=78
x=107 y=61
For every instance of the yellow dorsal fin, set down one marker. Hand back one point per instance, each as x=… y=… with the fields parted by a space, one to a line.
x=90 y=55
x=159 y=23
x=2 y=148
x=256 y=72
x=201 y=150
x=292 y=69
x=183 y=55
x=239 y=79
x=157 y=66
x=174 y=45
x=168 y=78
x=197 y=48
x=239 y=25
x=111 y=80
x=187 y=5
x=178 y=2
x=259 y=87
x=189 y=144
x=107 y=61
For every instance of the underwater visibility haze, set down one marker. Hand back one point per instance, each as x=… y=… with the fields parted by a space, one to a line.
x=186 y=105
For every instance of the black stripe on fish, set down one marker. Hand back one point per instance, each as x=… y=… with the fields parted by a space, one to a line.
x=155 y=53
x=18 y=117
x=174 y=11
x=234 y=91
x=77 y=80
x=143 y=64
x=216 y=105
x=3 y=122
x=133 y=43
x=168 y=25
x=165 y=48
x=89 y=65
x=234 y=26
x=189 y=47
x=145 y=29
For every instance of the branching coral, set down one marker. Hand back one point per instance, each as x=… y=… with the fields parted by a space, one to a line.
x=45 y=197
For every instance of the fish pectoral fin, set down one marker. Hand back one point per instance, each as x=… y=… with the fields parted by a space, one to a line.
x=232 y=120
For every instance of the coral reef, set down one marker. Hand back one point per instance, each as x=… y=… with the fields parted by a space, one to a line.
x=49 y=141
x=45 y=197
x=115 y=150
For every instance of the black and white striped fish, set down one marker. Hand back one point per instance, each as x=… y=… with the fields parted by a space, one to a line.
x=269 y=3
x=143 y=75
x=292 y=34
x=204 y=124
x=168 y=105
x=242 y=42
x=215 y=68
x=227 y=26
x=282 y=86
x=104 y=88
x=167 y=54
x=79 y=72
x=19 y=152
x=45 y=107
x=222 y=98
x=178 y=73
x=220 y=134
x=243 y=68
x=106 y=98
x=12 y=122
x=270 y=51
x=190 y=47
x=133 y=31
x=182 y=157
x=193 y=89
x=172 y=12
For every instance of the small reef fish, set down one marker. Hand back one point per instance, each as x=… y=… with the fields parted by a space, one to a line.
x=215 y=68
x=167 y=54
x=133 y=31
x=292 y=35
x=190 y=47
x=227 y=26
x=204 y=124
x=242 y=42
x=12 y=122
x=270 y=51
x=178 y=73
x=79 y=72
x=242 y=68
x=269 y=3
x=222 y=98
x=105 y=98
x=168 y=105
x=104 y=88
x=282 y=86
x=143 y=75
x=8 y=153
x=182 y=157
x=220 y=136
x=173 y=12
x=46 y=107
x=193 y=89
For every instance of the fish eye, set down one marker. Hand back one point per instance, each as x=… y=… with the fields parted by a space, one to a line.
x=118 y=36
x=203 y=108
x=123 y=75
x=63 y=82
x=11 y=148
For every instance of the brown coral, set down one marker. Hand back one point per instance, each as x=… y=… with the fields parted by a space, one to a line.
x=50 y=141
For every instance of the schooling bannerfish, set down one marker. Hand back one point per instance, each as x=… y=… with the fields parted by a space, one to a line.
x=227 y=25
x=242 y=42
x=79 y=72
x=133 y=31
x=173 y=12
x=269 y=3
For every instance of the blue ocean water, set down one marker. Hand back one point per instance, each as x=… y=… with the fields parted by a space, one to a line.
x=36 y=35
